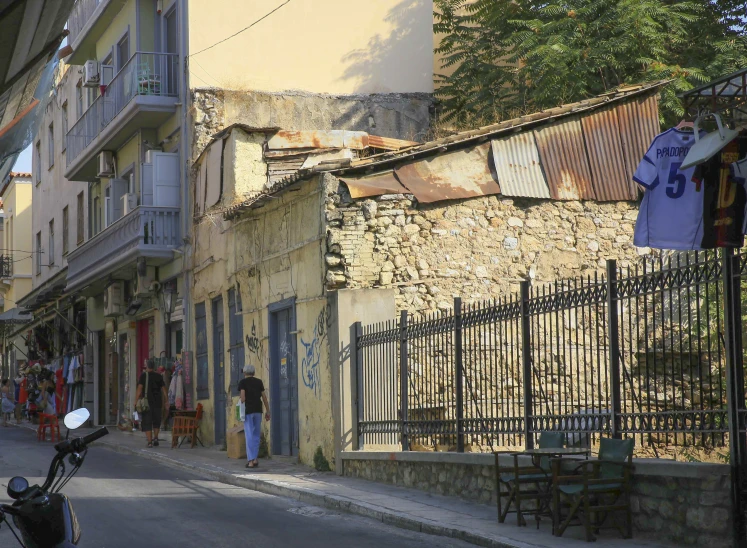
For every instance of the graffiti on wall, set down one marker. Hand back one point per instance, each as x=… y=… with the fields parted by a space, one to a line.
x=254 y=344
x=312 y=352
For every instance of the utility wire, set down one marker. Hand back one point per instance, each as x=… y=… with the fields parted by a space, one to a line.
x=242 y=30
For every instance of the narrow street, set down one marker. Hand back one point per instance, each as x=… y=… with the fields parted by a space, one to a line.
x=122 y=501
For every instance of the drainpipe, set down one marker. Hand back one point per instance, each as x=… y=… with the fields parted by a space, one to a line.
x=185 y=140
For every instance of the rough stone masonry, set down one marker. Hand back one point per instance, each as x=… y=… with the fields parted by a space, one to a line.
x=477 y=249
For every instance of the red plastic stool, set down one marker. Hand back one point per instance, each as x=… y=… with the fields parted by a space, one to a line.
x=51 y=422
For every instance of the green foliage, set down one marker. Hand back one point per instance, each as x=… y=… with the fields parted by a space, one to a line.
x=511 y=57
x=320 y=462
x=264 y=451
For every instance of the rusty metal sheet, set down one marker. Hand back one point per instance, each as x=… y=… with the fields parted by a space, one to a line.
x=606 y=156
x=517 y=164
x=450 y=176
x=563 y=156
x=639 y=124
x=374 y=185
x=387 y=143
x=284 y=139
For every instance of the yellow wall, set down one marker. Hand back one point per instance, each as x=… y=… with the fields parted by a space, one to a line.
x=332 y=46
x=17 y=202
x=273 y=254
x=114 y=32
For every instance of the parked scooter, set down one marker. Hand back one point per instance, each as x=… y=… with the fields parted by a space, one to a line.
x=44 y=517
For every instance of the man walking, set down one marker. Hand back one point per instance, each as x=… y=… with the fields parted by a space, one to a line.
x=252 y=392
x=156 y=395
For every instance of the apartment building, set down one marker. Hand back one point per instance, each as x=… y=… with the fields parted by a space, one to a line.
x=16 y=259
x=148 y=84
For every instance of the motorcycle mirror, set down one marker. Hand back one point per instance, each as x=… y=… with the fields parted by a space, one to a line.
x=75 y=419
x=17 y=486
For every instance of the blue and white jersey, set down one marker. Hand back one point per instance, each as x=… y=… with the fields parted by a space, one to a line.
x=739 y=173
x=671 y=213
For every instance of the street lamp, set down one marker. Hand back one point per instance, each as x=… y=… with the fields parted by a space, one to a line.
x=167 y=305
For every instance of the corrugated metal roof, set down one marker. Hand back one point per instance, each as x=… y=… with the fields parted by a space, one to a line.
x=517 y=164
x=450 y=176
x=564 y=160
x=374 y=185
x=639 y=124
x=602 y=134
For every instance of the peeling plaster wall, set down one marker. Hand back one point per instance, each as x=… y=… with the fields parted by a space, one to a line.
x=397 y=115
x=272 y=254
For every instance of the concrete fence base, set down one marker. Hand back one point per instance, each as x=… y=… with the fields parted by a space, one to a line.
x=686 y=503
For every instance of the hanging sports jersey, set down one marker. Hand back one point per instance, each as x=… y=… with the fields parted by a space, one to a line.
x=724 y=198
x=671 y=213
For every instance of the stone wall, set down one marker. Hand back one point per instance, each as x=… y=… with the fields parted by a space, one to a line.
x=686 y=503
x=478 y=249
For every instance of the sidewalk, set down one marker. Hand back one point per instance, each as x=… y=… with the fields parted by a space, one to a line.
x=396 y=506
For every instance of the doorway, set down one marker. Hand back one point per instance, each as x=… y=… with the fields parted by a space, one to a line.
x=283 y=379
x=143 y=345
x=219 y=373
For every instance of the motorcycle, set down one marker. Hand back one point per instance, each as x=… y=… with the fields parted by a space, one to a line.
x=44 y=516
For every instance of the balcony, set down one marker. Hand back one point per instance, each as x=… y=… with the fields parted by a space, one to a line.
x=141 y=95
x=150 y=232
x=88 y=21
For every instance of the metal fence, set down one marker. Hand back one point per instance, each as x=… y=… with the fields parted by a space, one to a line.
x=639 y=352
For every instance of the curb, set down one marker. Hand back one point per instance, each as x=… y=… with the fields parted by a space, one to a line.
x=318 y=498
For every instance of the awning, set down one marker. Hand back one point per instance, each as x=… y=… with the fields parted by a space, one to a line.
x=15 y=316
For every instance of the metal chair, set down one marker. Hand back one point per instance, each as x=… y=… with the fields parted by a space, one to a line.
x=593 y=489
x=516 y=478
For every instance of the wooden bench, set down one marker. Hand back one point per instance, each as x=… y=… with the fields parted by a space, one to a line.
x=184 y=426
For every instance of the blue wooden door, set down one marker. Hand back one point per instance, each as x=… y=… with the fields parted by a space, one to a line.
x=236 y=337
x=219 y=372
x=284 y=383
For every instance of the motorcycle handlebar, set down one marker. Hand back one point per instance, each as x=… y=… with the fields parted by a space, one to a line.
x=92 y=437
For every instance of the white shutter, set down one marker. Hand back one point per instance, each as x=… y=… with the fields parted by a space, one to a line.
x=110 y=108
x=118 y=189
x=146 y=184
x=213 y=160
x=165 y=179
x=107 y=74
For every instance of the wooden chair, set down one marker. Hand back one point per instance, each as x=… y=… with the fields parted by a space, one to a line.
x=186 y=426
x=593 y=489
x=51 y=422
x=516 y=479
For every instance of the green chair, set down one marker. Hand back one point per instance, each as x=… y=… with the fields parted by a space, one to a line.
x=593 y=489
x=523 y=483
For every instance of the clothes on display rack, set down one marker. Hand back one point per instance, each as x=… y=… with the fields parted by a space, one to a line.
x=701 y=207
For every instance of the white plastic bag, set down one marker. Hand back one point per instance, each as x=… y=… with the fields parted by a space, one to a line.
x=240 y=411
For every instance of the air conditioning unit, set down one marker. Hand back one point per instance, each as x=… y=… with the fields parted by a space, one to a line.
x=113 y=299
x=129 y=202
x=91 y=74
x=106 y=164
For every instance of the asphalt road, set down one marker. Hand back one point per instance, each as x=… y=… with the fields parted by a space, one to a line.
x=123 y=502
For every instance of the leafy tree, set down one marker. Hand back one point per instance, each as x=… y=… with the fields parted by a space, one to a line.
x=510 y=57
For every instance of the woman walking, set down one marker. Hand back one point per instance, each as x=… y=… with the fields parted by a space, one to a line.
x=156 y=396
x=7 y=404
x=252 y=392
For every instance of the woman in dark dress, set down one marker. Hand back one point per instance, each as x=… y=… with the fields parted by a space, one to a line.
x=157 y=399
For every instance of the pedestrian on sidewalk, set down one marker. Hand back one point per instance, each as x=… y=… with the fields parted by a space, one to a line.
x=156 y=396
x=7 y=403
x=252 y=392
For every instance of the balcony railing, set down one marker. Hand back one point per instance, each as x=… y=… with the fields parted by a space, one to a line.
x=144 y=232
x=149 y=74
x=6 y=266
x=79 y=16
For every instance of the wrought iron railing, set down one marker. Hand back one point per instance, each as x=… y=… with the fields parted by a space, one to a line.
x=6 y=266
x=79 y=16
x=151 y=74
x=640 y=352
